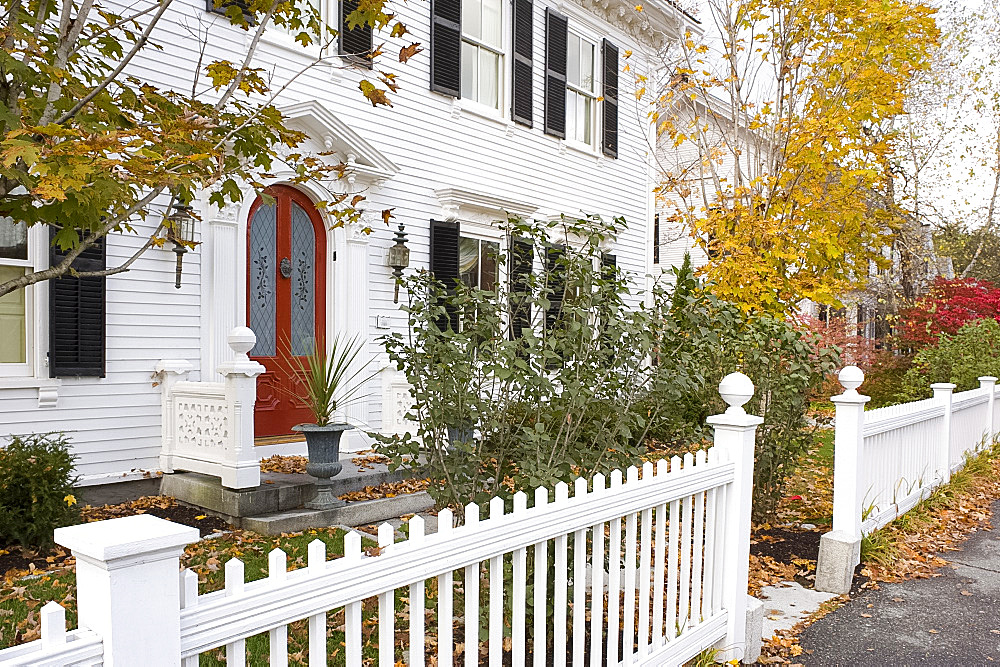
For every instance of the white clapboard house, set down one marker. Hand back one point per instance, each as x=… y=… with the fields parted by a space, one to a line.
x=513 y=106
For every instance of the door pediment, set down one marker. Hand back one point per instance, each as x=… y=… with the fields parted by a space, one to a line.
x=333 y=135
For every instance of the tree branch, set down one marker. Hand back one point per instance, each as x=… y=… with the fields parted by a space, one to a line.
x=139 y=44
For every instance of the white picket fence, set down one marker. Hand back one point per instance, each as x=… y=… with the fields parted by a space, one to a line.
x=647 y=570
x=887 y=460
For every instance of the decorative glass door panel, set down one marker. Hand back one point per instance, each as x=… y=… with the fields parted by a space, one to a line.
x=286 y=298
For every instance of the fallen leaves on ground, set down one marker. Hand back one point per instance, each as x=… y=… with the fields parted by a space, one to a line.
x=284 y=464
x=765 y=571
x=387 y=490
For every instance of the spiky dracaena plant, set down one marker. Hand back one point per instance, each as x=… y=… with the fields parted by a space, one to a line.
x=330 y=379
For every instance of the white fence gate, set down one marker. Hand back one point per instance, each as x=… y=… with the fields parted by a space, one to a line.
x=888 y=459
x=647 y=570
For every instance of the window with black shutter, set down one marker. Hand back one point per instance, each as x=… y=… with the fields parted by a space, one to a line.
x=556 y=35
x=556 y=272
x=445 y=264
x=446 y=47
x=222 y=7
x=77 y=317
x=609 y=136
x=356 y=42
x=521 y=77
x=521 y=261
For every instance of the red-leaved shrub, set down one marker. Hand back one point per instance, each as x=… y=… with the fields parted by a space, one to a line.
x=945 y=308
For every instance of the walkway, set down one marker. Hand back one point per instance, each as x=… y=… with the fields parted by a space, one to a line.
x=953 y=619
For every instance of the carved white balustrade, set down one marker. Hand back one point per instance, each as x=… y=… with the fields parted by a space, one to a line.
x=208 y=426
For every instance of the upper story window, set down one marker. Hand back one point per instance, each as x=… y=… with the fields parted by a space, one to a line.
x=482 y=52
x=14 y=319
x=581 y=89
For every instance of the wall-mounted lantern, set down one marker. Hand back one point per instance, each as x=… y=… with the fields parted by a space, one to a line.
x=399 y=258
x=180 y=230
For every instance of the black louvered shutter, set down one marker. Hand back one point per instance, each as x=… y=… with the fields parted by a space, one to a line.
x=77 y=317
x=556 y=272
x=522 y=84
x=522 y=255
x=609 y=265
x=446 y=47
x=444 y=264
x=609 y=141
x=656 y=239
x=556 y=27
x=355 y=43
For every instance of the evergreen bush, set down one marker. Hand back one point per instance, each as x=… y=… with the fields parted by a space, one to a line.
x=36 y=488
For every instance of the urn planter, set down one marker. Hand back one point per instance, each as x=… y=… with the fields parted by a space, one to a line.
x=323 y=443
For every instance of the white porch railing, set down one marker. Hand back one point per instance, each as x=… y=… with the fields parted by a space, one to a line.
x=889 y=459
x=647 y=570
x=208 y=426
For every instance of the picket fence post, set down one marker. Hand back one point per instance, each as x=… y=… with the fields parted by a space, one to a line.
x=735 y=433
x=944 y=392
x=989 y=383
x=128 y=591
x=840 y=549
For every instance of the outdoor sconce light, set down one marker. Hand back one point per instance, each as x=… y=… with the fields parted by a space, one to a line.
x=399 y=258
x=180 y=231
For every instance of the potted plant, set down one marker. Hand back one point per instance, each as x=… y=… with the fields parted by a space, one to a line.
x=329 y=381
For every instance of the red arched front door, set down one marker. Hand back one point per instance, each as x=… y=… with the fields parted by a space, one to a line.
x=286 y=300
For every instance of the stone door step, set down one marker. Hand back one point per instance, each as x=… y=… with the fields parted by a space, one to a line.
x=352 y=514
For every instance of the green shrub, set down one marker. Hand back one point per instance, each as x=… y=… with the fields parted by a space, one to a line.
x=704 y=339
x=498 y=412
x=36 y=488
x=961 y=358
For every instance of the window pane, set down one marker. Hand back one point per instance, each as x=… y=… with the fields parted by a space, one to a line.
x=573 y=59
x=472 y=18
x=489 y=77
x=470 y=63
x=571 y=114
x=492 y=22
x=587 y=121
x=468 y=261
x=12 y=320
x=13 y=239
x=491 y=251
x=587 y=67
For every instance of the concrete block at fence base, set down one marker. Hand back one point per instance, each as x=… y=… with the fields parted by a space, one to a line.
x=839 y=554
x=755 y=630
x=351 y=514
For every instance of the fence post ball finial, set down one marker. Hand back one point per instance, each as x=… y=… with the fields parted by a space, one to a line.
x=851 y=378
x=241 y=340
x=736 y=389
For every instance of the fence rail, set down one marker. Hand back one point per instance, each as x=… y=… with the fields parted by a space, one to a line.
x=645 y=568
x=887 y=460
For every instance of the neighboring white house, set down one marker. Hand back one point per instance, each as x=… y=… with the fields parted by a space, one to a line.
x=518 y=116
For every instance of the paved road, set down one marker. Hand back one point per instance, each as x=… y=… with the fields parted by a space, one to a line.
x=953 y=619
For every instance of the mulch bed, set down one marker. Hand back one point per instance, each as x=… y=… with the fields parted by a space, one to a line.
x=786 y=545
x=17 y=561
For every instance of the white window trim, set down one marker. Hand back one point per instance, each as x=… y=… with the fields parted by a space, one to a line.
x=29 y=370
x=501 y=113
x=596 y=111
x=277 y=37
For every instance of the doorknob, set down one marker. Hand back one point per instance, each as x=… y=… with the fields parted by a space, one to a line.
x=286 y=267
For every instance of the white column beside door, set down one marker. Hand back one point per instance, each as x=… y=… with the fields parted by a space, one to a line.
x=222 y=287
x=350 y=290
